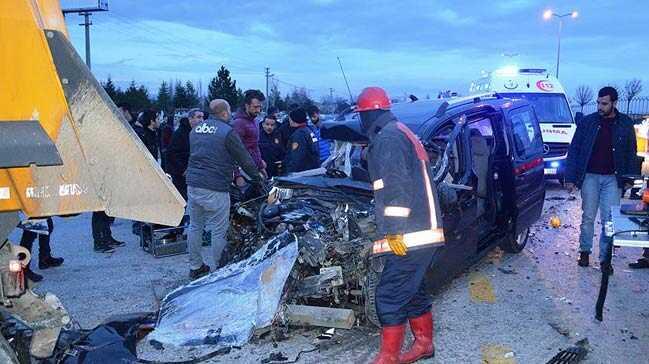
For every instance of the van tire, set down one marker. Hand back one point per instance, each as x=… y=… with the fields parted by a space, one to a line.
x=515 y=243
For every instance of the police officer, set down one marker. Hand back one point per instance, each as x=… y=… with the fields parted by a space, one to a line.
x=407 y=218
x=302 y=152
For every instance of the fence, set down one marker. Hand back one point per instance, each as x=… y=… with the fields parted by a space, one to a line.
x=637 y=109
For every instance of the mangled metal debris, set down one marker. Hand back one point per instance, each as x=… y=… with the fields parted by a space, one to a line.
x=224 y=308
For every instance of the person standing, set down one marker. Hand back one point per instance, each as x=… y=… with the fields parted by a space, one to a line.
x=602 y=151
x=178 y=151
x=45 y=258
x=323 y=145
x=215 y=151
x=245 y=125
x=302 y=153
x=407 y=217
x=270 y=146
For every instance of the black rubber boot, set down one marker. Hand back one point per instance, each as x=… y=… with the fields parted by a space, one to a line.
x=583 y=259
x=606 y=268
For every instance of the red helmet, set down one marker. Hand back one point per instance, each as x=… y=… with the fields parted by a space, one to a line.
x=373 y=98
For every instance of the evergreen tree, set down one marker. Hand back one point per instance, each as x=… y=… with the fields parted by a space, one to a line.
x=192 y=94
x=114 y=92
x=137 y=97
x=164 y=101
x=180 y=96
x=223 y=87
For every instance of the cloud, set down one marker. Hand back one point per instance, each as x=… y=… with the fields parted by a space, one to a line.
x=262 y=29
x=451 y=17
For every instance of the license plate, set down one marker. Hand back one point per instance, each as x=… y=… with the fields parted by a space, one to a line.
x=550 y=171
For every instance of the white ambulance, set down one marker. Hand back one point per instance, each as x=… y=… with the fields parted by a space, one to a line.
x=547 y=96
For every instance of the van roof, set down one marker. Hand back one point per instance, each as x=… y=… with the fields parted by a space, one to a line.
x=416 y=114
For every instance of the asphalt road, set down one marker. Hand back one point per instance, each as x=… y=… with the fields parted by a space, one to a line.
x=520 y=308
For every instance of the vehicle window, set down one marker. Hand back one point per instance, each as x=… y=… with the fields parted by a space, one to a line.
x=526 y=133
x=549 y=108
x=439 y=143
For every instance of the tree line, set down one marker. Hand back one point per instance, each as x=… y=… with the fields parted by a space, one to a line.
x=184 y=95
x=585 y=95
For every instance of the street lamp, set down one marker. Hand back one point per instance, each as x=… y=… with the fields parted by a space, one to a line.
x=547 y=15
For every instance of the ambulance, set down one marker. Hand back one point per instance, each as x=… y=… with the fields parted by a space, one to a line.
x=550 y=102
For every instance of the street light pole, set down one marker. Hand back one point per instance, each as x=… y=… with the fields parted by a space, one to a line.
x=559 y=45
x=547 y=15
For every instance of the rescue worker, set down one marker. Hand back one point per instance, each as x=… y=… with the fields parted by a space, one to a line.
x=302 y=153
x=407 y=217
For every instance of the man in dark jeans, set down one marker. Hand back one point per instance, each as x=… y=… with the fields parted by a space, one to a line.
x=602 y=151
x=45 y=258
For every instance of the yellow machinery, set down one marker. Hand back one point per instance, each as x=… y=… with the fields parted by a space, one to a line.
x=64 y=149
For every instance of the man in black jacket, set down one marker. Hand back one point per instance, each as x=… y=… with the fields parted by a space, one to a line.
x=215 y=152
x=270 y=145
x=302 y=152
x=178 y=151
x=407 y=217
x=602 y=151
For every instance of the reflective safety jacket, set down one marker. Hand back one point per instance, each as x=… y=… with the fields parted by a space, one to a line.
x=404 y=193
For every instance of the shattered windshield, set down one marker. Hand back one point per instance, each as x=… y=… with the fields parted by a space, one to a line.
x=549 y=108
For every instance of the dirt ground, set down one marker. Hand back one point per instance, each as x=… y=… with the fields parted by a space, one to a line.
x=520 y=308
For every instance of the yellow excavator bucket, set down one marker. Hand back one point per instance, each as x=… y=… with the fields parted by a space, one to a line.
x=64 y=146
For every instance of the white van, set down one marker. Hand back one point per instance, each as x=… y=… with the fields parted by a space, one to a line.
x=550 y=103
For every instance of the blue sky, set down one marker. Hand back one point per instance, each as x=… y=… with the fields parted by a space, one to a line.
x=417 y=47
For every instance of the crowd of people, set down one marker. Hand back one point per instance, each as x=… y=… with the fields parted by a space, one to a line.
x=275 y=146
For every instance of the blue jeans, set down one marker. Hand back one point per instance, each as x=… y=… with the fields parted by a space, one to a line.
x=597 y=191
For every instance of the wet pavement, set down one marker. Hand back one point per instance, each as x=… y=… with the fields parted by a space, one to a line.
x=520 y=308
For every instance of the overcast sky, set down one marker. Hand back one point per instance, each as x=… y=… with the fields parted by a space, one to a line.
x=417 y=47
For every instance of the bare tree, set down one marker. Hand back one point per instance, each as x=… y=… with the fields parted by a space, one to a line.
x=632 y=88
x=584 y=96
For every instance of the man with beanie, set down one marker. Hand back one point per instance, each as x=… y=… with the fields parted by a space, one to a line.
x=409 y=224
x=302 y=151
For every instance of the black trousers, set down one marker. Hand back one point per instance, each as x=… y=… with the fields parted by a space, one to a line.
x=44 y=250
x=100 y=226
x=180 y=183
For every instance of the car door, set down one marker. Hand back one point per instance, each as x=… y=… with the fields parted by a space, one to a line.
x=527 y=154
x=458 y=204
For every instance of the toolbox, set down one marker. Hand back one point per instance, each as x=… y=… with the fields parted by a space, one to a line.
x=162 y=241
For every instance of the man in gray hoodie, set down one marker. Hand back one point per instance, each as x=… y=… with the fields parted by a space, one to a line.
x=215 y=151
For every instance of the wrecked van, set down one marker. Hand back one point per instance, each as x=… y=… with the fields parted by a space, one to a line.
x=487 y=158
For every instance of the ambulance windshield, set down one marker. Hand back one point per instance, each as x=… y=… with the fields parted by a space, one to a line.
x=550 y=108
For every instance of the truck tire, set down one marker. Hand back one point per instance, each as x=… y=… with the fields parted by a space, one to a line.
x=7 y=354
x=515 y=243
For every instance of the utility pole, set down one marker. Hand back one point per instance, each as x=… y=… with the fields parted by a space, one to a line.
x=102 y=5
x=268 y=76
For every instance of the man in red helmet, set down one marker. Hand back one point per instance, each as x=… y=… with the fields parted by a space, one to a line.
x=407 y=216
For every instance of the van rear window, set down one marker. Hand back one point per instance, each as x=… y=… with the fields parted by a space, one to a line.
x=526 y=132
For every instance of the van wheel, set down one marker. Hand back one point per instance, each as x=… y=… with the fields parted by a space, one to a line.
x=515 y=243
x=371 y=282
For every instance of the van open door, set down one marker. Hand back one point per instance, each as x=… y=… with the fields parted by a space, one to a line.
x=528 y=182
